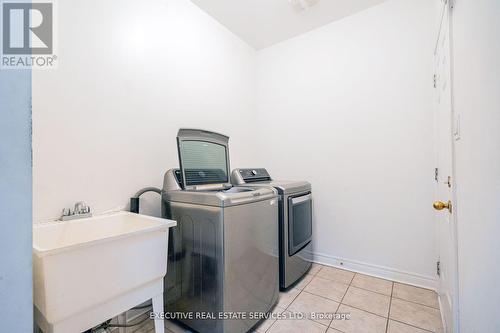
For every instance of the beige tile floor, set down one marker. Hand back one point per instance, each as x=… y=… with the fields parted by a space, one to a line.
x=373 y=304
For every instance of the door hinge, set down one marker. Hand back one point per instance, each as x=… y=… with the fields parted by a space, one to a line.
x=438 y=268
x=436 y=174
x=448 y=182
x=448 y=2
x=434 y=80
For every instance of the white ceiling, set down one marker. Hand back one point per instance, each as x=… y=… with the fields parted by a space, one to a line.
x=262 y=23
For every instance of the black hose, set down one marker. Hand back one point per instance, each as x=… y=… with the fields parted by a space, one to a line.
x=134 y=205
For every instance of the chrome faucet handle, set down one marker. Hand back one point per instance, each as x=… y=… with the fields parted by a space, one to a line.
x=81 y=210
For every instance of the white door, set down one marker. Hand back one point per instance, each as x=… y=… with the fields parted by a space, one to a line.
x=445 y=221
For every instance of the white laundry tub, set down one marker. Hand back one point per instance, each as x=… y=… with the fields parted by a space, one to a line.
x=89 y=270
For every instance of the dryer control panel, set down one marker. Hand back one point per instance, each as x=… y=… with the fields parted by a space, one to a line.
x=246 y=176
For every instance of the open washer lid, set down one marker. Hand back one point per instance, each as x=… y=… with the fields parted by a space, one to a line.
x=204 y=159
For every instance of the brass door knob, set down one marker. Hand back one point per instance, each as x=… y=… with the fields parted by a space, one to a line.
x=439 y=205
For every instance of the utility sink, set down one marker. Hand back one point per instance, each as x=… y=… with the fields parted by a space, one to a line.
x=89 y=270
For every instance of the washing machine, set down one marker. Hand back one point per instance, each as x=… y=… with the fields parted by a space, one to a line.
x=223 y=261
x=294 y=220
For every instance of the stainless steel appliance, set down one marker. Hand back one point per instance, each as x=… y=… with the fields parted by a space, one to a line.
x=223 y=257
x=295 y=221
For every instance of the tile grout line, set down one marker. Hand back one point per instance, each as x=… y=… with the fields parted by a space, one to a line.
x=285 y=309
x=348 y=286
x=372 y=313
x=300 y=291
x=402 y=322
x=392 y=296
x=327 y=326
x=340 y=303
x=392 y=287
x=389 y=313
x=325 y=298
x=329 y=299
x=318 y=270
x=355 y=307
x=407 y=300
x=411 y=325
x=376 y=277
x=351 y=285
x=373 y=291
x=343 y=297
x=276 y=306
x=376 y=292
x=314 y=275
x=293 y=300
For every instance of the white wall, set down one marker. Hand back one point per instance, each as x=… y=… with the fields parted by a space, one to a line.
x=16 y=286
x=130 y=75
x=349 y=107
x=476 y=85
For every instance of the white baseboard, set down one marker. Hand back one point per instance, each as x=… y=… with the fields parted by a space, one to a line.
x=376 y=270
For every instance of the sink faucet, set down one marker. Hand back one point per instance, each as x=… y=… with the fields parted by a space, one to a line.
x=81 y=210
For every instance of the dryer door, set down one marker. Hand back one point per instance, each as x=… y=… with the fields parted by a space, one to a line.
x=299 y=222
